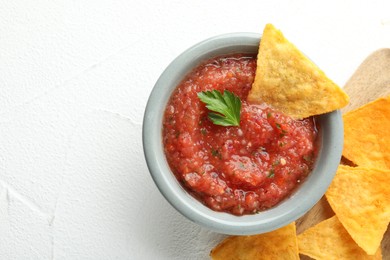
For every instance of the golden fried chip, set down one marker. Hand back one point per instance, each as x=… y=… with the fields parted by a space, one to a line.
x=329 y=240
x=278 y=244
x=366 y=134
x=287 y=80
x=360 y=197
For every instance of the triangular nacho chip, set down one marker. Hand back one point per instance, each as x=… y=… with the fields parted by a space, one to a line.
x=366 y=134
x=360 y=197
x=329 y=240
x=278 y=244
x=287 y=80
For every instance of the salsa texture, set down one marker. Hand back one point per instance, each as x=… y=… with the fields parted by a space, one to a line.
x=237 y=169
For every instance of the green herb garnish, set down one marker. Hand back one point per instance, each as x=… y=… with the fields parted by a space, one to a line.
x=271 y=173
x=281 y=144
x=276 y=163
x=226 y=106
x=308 y=158
x=216 y=153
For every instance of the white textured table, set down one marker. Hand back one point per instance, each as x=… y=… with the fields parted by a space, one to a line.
x=74 y=81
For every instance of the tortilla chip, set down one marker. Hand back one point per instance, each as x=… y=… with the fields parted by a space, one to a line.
x=278 y=244
x=366 y=134
x=360 y=197
x=329 y=240
x=288 y=81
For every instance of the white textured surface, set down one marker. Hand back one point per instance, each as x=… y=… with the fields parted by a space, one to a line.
x=74 y=81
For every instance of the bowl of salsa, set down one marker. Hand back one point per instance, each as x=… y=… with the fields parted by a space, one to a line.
x=261 y=172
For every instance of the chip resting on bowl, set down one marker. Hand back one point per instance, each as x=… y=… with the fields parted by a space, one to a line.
x=287 y=80
x=360 y=197
x=329 y=240
x=366 y=134
x=278 y=244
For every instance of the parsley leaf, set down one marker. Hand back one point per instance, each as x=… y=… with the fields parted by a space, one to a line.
x=226 y=106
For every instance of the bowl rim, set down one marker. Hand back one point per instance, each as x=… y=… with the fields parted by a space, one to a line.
x=285 y=212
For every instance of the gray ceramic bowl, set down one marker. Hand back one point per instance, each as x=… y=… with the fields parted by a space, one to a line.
x=291 y=208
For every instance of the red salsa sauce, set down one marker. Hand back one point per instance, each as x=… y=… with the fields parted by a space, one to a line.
x=240 y=170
